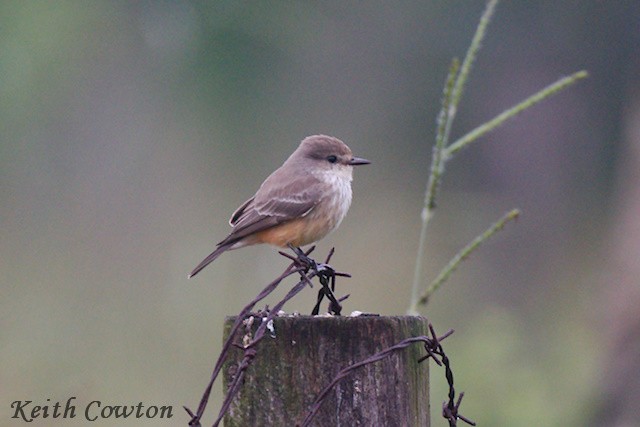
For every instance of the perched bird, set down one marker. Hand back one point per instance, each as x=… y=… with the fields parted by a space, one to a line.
x=300 y=203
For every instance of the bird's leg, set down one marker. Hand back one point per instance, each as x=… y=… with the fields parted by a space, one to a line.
x=303 y=258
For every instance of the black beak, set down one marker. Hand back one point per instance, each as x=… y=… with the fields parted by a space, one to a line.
x=358 y=161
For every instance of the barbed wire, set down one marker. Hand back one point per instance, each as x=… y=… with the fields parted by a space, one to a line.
x=308 y=269
x=434 y=350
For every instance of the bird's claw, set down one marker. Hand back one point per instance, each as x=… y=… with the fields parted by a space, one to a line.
x=303 y=259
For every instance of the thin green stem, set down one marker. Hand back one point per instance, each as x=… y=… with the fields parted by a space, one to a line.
x=464 y=253
x=454 y=88
x=506 y=115
x=443 y=152
x=436 y=171
x=472 y=52
x=442 y=137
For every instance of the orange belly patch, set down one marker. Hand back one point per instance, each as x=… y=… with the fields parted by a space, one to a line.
x=298 y=232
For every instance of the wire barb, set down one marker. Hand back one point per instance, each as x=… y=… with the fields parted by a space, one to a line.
x=434 y=350
x=308 y=269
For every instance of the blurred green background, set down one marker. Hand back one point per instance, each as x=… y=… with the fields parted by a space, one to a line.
x=129 y=132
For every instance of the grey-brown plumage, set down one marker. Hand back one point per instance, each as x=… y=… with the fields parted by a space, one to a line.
x=299 y=203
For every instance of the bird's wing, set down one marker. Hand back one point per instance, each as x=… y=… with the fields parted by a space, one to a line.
x=274 y=206
x=235 y=217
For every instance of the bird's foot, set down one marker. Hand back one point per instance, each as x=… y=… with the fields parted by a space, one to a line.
x=303 y=259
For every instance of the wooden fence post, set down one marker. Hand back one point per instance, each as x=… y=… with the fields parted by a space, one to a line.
x=304 y=355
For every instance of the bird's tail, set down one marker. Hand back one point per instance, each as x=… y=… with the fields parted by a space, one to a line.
x=209 y=259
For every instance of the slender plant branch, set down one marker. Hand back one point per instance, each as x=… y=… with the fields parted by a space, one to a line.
x=437 y=169
x=444 y=151
x=453 y=89
x=511 y=112
x=465 y=252
x=472 y=52
x=445 y=118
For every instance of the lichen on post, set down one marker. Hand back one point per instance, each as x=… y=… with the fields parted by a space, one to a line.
x=304 y=354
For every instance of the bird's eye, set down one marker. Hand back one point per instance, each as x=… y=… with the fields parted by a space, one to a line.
x=332 y=159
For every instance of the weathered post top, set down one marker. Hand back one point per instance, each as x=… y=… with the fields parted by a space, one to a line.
x=304 y=354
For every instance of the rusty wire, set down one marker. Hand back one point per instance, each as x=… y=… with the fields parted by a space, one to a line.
x=308 y=269
x=434 y=350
